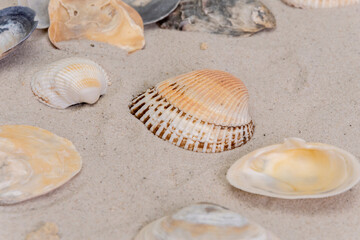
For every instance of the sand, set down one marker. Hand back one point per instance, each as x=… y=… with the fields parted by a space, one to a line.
x=303 y=80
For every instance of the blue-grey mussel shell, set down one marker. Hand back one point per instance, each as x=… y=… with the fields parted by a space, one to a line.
x=152 y=11
x=16 y=25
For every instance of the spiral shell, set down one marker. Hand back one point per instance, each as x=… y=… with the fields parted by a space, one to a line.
x=70 y=81
x=33 y=162
x=320 y=3
x=202 y=111
x=204 y=221
x=296 y=169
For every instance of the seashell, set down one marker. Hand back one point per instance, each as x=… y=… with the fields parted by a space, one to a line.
x=202 y=111
x=33 y=162
x=231 y=17
x=109 y=21
x=70 y=81
x=296 y=170
x=48 y=231
x=16 y=25
x=152 y=11
x=320 y=3
x=41 y=9
x=204 y=221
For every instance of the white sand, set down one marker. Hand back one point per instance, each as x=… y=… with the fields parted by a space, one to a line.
x=303 y=80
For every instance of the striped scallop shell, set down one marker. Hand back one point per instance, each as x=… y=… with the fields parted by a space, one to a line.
x=202 y=111
x=33 y=162
x=204 y=221
x=70 y=81
x=320 y=3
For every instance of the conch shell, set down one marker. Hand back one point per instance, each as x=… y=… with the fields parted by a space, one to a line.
x=202 y=111
x=320 y=3
x=33 y=162
x=70 y=81
x=204 y=221
x=296 y=169
x=109 y=21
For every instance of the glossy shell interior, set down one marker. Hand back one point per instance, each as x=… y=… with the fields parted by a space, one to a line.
x=33 y=162
x=16 y=25
x=296 y=169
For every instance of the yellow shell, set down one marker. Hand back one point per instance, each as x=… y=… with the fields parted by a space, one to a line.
x=202 y=111
x=33 y=162
x=109 y=21
x=296 y=169
x=204 y=221
x=320 y=3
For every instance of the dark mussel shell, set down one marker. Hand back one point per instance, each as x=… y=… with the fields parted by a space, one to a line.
x=152 y=11
x=19 y=22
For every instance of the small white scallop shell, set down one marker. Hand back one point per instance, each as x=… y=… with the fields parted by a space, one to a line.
x=41 y=9
x=202 y=111
x=320 y=3
x=204 y=221
x=70 y=81
x=33 y=162
x=296 y=170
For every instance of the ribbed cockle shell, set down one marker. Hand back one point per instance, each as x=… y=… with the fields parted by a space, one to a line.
x=33 y=162
x=109 y=21
x=70 y=81
x=204 y=221
x=202 y=111
x=296 y=169
x=320 y=3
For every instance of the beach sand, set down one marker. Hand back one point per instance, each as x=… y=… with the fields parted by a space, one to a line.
x=303 y=80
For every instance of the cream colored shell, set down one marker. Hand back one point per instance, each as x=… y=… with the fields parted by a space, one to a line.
x=202 y=111
x=70 y=81
x=296 y=169
x=109 y=21
x=320 y=3
x=204 y=221
x=33 y=162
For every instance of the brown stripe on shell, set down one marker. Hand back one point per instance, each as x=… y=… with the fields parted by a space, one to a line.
x=185 y=130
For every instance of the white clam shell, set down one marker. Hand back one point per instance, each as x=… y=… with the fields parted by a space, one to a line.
x=41 y=9
x=70 y=81
x=296 y=170
x=201 y=111
x=33 y=162
x=204 y=221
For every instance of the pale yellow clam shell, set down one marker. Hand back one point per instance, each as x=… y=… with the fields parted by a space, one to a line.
x=33 y=162
x=296 y=170
x=320 y=3
x=109 y=21
x=202 y=111
x=70 y=81
x=204 y=221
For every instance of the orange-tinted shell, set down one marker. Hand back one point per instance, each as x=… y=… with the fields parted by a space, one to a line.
x=33 y=162
x=202 y=111
x=320 y=3
x=109 y=21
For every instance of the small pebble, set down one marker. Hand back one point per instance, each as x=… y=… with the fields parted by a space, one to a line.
x=203 y=46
